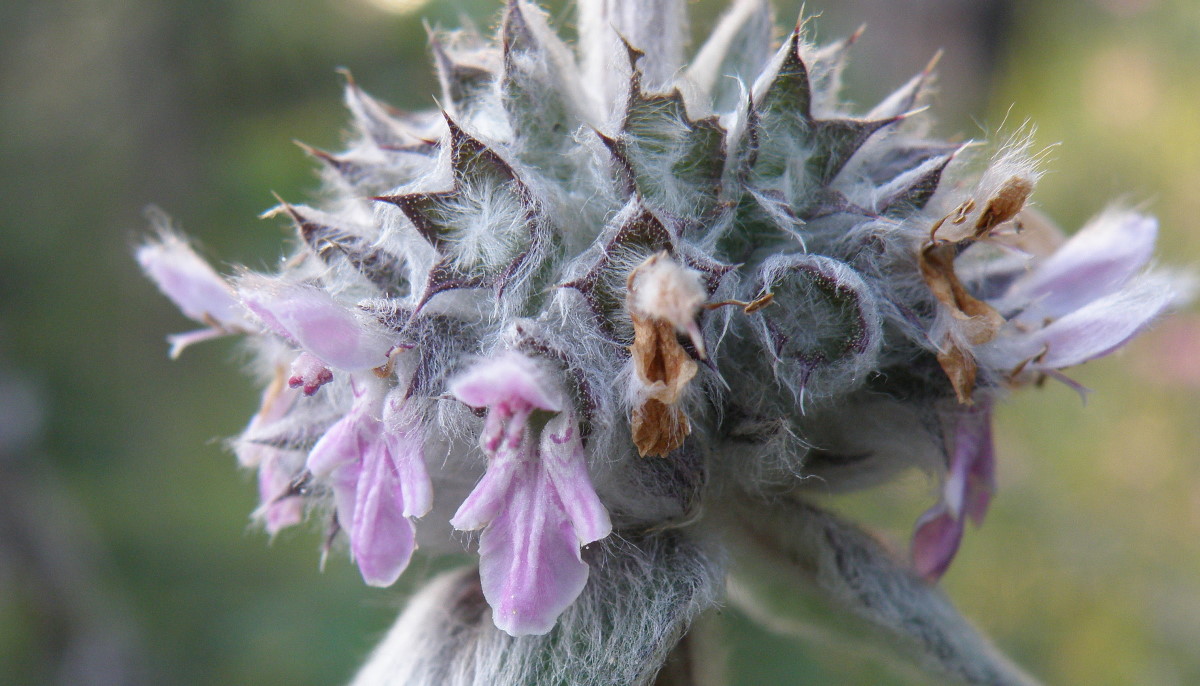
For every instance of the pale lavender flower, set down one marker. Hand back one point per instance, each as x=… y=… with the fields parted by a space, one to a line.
x=194 y=287
x=279 y=508
x=310 y=318
x=1084 y=301
x=376 y=467
x=1100 y=259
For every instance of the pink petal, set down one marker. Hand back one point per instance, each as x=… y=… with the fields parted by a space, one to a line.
x=184 y=277
x=1097 y=261
x=405 y=440
x=967 y=492
x=344 y=483
x=935 y=542
x=343 y=443
x=975 y=456
x=277 y=511
x=529 y=561
x=382 y=539
x=490 y=496
x=566 y=464
x=314 y=320
x=508 y=380
x=1102 y=326
x=276 y=403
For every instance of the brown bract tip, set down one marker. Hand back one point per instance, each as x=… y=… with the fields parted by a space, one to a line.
x=976 y=322
x=662 y=367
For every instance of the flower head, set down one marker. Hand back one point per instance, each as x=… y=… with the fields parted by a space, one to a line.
x=620 y=312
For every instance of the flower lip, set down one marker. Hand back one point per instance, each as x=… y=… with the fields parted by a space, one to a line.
x=966 y=492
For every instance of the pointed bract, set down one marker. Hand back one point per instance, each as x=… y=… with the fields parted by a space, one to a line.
x=734 y=53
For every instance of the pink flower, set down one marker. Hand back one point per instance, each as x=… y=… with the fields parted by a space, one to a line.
x=313 y=320
x=966 y=492
x=377 y=471
x=278 y=507
x=535 y=504
x=195 y=288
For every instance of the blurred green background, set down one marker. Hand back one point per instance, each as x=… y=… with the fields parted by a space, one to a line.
x=125 y=550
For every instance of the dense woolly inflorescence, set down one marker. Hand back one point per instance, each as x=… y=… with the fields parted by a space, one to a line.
x=613 y=311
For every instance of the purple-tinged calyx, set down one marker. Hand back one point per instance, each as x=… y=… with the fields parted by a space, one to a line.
x=312 y=319
x=966 y=492
x=373 y=458
x=195 y=288
x=535 y=503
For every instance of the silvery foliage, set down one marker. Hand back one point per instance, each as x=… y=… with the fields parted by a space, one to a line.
x=622 y=314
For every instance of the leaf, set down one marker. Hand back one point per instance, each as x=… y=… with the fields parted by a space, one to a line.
x=836 y=141
x=911 y=191
x=539 y=89
x=464 y=85
x=480 y=175
x=505 y=250
x=330 y=243
x=377 y=121
x=823 y=328
x=634 y=234
x=779 y=120
x=783 y=93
